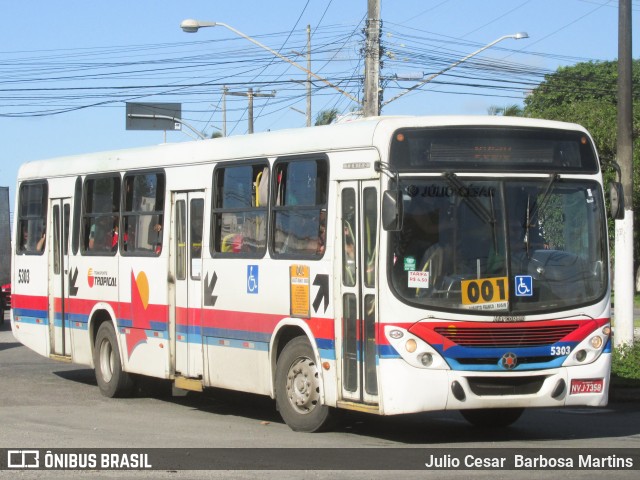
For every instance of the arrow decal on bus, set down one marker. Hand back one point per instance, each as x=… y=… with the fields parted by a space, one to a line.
x=321 y=281
x=73 y=290
x=209 y=297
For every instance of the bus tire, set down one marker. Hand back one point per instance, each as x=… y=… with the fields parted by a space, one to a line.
x=112 y=380
x=492 y=417
x=298 y=388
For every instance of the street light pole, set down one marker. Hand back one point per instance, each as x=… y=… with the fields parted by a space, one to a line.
x=515 y=36
x=192 y=26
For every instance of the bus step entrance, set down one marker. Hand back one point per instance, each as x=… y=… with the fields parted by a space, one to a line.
x=191 y=384
x=60 y=358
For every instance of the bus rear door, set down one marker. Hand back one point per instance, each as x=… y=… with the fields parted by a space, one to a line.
x=188 y=216
x=58 y=251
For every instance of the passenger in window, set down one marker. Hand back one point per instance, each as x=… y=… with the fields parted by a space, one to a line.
x=158 y=243
x=92 y=237
x=115 y=235
x=232 y=242
x=41 y=241
x=24 y=241
x=349 y=256
x=27 y=243
x=322 y=233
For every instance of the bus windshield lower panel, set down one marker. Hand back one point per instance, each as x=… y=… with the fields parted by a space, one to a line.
x=522 y=246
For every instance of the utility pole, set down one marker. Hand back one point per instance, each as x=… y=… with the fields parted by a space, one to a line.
x=624 y=275
x=308 y=75
x=250 y=96
x=372 y=60
x=224 y=110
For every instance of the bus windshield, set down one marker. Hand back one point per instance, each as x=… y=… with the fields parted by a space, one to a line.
x=496 y=246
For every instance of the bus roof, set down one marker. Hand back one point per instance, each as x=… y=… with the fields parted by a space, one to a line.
x=357 y=134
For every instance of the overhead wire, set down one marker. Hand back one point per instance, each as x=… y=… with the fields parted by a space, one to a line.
x=53 y=82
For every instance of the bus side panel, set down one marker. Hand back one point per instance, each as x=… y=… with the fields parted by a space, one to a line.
x=143 y=315
x=30 y=322
x=238 y=331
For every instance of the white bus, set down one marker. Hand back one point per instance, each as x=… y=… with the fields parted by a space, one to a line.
x=389 y=265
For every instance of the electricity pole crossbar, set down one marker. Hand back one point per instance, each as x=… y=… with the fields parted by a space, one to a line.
x=250 y=94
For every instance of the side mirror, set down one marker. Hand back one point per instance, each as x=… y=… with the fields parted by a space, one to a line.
x=392 y=210
x=616 y=201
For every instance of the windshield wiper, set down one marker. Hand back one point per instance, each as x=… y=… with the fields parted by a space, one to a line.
x=478 y=208
x=538 y=207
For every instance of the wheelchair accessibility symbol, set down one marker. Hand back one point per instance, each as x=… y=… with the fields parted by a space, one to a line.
x=524 y=286
x=252 y=279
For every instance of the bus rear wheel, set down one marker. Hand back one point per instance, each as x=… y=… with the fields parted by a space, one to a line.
x=298 y=388
x=492 y=417
x=112 y=380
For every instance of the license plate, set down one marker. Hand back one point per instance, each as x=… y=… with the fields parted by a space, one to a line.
x=594 y=385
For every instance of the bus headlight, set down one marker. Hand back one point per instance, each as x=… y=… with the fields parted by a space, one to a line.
x=426 y=359
x=395 y=333
x=581 y=355
x=589 y=349
x=596 y=342
x=413 y=350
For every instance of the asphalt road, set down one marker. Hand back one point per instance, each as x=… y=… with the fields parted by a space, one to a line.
x=46 y=404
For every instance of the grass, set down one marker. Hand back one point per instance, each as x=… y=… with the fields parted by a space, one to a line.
x=625 y=366
x=636 y=305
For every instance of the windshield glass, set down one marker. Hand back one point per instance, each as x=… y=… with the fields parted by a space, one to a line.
x=524 y=246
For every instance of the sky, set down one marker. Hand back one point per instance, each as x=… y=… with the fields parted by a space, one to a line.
x=68 y=67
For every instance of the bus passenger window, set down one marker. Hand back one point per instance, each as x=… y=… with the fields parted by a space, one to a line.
x=32 y=218
x=300 y=199
x=240 y=207
x=101 y=214
x=143 y=213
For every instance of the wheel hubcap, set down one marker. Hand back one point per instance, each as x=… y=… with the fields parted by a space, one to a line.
x=106 y=361
x=303 y=388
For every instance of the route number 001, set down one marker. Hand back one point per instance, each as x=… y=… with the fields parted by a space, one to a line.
x=484 y=290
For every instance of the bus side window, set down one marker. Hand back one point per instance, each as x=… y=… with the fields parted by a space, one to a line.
x=300 y=202
x=143 y=213
x=101 y=213
x=240 y=208
x=32 y=214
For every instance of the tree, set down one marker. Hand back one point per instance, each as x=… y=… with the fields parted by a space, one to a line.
x=325 y=117
x=586 y=93
x=506 y=111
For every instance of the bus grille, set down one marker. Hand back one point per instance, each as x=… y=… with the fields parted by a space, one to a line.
x=483 y=386
x=495 y=360
x=525 y=336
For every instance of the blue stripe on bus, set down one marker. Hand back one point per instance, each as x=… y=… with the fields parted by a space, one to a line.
x=232 y=343
x=555 y=363
x=475 y=352
x=159 y=325
x=28 y=312
x=33 y=320
x=387 y=352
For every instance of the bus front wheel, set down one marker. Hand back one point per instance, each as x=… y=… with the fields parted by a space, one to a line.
x=492 y=417
x=112 y=380
x=298 y=388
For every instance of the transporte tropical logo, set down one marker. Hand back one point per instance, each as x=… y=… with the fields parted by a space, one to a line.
x=101 y=278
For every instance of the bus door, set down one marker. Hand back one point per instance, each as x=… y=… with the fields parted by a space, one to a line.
x=57 y=245
x=357 y=257
x=188 y=216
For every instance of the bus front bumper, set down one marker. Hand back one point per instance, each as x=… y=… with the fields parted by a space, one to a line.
x=407 y=389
